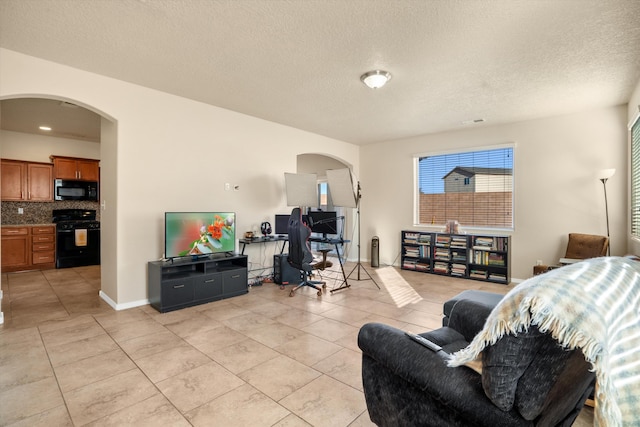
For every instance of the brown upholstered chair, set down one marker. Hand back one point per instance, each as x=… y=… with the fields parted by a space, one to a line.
x=579 y=247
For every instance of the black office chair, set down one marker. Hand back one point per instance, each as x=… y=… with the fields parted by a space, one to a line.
x=300 y=256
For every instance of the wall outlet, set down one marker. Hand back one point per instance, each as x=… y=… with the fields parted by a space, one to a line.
x=539 y=262
x=20 y=211
x=227 y=186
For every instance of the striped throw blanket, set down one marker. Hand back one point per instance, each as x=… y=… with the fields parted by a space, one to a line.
x=593 y=305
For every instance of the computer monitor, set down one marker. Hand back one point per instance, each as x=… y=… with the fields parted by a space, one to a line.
x=282 y=224
x=323 y=222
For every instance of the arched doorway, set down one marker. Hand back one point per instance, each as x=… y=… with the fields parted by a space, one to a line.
x=87 y=133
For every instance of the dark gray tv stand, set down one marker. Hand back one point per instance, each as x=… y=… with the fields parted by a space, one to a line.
x=184 y=282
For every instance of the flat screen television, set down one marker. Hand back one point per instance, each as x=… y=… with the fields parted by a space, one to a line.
x=198 y=233
x=323 y=222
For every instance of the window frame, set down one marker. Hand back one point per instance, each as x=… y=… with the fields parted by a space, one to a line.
x=416 y=190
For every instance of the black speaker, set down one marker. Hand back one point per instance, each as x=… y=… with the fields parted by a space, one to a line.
x=283 y=273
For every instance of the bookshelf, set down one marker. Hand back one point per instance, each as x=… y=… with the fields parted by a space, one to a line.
x=469 y=256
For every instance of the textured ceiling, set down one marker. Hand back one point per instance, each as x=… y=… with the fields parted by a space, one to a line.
x=298 y=62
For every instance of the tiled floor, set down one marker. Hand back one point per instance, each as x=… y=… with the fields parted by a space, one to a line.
x=261 y=359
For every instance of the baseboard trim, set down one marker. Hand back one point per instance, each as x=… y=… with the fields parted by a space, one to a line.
x=124 y=306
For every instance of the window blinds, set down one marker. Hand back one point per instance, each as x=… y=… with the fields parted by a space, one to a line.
x=475 y=188
x=635 y=178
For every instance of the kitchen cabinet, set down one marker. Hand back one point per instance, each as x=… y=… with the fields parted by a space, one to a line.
x=27 y=181
x=28 y=247
x=16 y=248
x=43 y=246
x=75 y=168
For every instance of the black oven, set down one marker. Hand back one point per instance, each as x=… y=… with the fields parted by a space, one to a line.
x=77 y=237
x=64 y=189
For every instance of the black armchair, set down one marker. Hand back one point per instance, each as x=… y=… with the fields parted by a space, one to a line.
x=528 y=380
x=300 y=256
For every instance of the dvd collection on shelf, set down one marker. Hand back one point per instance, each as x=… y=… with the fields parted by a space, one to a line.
x=479 y=257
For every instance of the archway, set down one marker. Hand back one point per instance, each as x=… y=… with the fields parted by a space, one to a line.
x=105 y=152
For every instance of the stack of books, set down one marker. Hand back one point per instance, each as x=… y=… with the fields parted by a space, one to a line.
x=410 y=251
x=442 y=254
x=478 y=274
x=459 y=256
x=443 y=241
x=441 y=267
x=483 y=243
x=458 y=241
x=498 y=277
x=458 y=270
x=409 y=263
x=495 y=259
x=411 y=238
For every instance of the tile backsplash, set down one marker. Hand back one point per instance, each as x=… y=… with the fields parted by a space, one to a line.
x=39 y=212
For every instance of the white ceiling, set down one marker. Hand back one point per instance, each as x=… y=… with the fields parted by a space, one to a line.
x=298 y=62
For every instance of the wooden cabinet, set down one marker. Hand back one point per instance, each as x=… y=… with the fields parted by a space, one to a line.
x=479 y=257
x=27 y=181
x=28 y=247
x=43 y=246
x=14 y=180
x=183 y=283
x=75 y=168
x=39 y=182
x=16 y=248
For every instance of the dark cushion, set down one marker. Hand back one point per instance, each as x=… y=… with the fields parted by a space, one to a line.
x=487 y=298
x=542 y=374
x=505 y=362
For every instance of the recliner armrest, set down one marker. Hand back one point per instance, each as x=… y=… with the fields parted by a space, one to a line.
x=459 y=388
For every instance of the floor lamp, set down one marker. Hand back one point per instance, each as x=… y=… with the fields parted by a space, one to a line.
x=604 y=175
x=345 y=193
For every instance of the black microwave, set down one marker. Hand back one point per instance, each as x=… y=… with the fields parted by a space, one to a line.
x=64 y=189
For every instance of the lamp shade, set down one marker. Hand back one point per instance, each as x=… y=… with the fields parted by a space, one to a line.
x=375 y=79
x=606 y=173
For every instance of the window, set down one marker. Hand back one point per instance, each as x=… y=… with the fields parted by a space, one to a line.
x=474 y=187
x=635 y=178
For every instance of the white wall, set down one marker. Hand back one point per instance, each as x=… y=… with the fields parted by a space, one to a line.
x=633 y=111
x=169 y=154
x=556 y=187
x=38 y=148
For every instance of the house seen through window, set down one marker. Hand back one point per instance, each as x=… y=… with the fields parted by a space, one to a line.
x=474 y=187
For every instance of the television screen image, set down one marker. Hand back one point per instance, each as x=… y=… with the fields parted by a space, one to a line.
x=198 y=233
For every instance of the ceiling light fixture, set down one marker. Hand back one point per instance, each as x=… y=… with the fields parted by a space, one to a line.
x=45 y=128
x=376 y=79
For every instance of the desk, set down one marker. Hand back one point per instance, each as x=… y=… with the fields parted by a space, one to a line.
x=336 y=243
x=263 y=240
